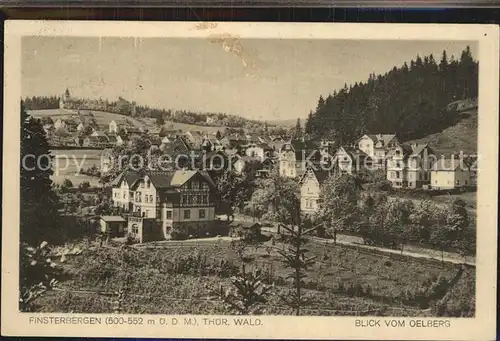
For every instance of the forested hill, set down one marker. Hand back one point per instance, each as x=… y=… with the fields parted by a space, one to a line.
x=411 y=101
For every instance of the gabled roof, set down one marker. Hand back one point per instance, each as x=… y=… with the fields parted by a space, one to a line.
x=320 y=175
x=129 y=177
x=172 y=179
x=352 y=152
x=384 y=138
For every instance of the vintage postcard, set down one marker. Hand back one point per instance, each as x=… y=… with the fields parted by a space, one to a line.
x=250 y=180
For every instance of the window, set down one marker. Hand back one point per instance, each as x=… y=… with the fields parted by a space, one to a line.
x=202 y=214
x=135 y=229
x=147 y=213
x=205 y=199
x=458 y=182
x=169 y=214
x=124 y=195
x=150 y=198
x=410 y=184
x=397 y=175
x=148 y=184
x=466 y=182
x=146 y=198
x=393 y=175
x=142 y=184
x=187 y=214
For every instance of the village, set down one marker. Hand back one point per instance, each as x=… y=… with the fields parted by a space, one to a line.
x=154 y=203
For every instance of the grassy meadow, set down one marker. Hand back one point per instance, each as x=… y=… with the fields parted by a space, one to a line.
x=185 y=280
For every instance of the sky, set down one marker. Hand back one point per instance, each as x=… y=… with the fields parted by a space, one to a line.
x=276 y=79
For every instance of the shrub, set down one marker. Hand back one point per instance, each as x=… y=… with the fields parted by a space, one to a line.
x=66 y=184
x=84 y=185
x=178 y=234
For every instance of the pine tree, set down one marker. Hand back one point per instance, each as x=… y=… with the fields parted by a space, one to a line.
x=298 y=129
x=218 y=135
x=39 y=218
x=308 y=128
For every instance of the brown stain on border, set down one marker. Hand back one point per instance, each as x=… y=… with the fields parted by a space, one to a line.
x=232 y=44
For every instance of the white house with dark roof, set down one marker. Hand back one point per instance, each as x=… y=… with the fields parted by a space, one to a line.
x=310 y=190
x=410 y=165
x=448 y=173
x=377 y=146
x=182 y=200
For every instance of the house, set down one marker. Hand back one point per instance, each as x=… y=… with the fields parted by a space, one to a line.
x=260 y=151
x=92 y=141
x=397 y=171
x=240 y=163
x=71 y=125
x=377 y=146
x=310 y=190
x=59 y=124
x=267 y=166
x=177 y=152
x=194 y=139
x=296 y=156
x=113 y=127
x=211 y=143
x=114 y=226
x=121 y=193
x=410 y=165
x=214 y=161
x=174 y=200
x=132 y=130
x=106 y=160
x=450 y=173
x=210 y=120
x=112 y=140
x=225 y=143
x=350 y=160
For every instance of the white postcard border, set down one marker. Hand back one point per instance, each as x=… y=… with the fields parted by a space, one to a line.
x=304 y=327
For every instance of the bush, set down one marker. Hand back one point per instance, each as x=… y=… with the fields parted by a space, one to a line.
x=178 y=234
x=84 y=185
x=131 y=239
x=67 y=184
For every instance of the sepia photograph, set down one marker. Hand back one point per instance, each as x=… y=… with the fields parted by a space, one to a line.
x=228 y=178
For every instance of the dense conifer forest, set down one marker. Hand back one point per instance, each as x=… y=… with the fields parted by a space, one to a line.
x=411 y=101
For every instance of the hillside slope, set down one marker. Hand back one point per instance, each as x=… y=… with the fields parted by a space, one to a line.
x=103 y=118
x=459 y=137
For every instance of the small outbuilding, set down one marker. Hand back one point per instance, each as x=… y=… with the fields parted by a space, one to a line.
x=114 y=226
x=246 y=230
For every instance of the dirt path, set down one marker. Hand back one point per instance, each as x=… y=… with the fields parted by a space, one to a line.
x=411 y=251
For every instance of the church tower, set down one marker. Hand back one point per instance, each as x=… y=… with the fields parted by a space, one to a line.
x=64 y=99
